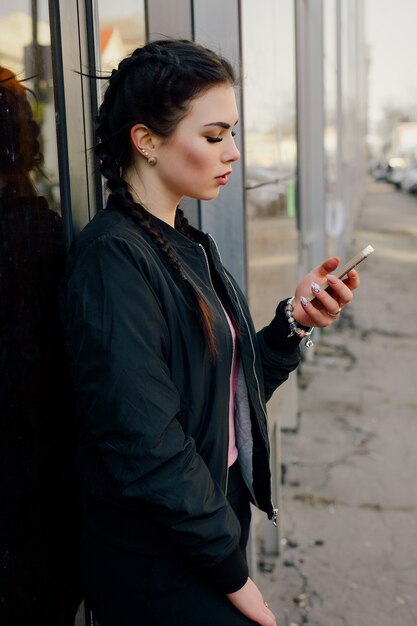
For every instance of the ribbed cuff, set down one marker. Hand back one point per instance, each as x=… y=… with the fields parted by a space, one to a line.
x=230 y=574
x=276 y=334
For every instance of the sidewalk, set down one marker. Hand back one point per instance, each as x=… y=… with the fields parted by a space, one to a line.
x=349 y=518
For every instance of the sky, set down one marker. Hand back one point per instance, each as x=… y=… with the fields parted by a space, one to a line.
x=391 y=29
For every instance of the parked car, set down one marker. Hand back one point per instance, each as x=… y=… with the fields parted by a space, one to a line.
x=380 y=171
x=409 y=181
x=397 y=167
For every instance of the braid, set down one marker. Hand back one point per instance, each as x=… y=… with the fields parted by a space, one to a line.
x=142 y=219
x=181 y=223
x=183 y=226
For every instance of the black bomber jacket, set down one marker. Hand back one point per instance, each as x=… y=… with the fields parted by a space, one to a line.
x=152 y=406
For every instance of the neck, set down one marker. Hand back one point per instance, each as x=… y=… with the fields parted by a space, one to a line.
x=147 y=191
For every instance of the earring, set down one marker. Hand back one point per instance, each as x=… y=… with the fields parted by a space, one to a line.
x=151 y=159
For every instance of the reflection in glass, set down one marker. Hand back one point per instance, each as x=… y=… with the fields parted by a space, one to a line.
x=38 y=579
x=122 y=29
x=25 y=49
x=270 y=152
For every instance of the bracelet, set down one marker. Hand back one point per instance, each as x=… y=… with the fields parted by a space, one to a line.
x=294 y=327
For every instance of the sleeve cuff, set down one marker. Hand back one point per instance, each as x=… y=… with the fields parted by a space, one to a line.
x=230 y=574
x=276 y=333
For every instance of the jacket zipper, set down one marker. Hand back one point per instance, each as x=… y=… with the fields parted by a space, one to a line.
x=275 y=510
x=233 y=354
x=249 y=333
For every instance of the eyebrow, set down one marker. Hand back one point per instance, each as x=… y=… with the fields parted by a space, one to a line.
x=221 y=124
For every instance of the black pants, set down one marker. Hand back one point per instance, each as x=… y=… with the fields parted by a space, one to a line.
x=124 y=589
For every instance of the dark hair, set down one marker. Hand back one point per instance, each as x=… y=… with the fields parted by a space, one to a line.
x=154 y=86
x=19 y=146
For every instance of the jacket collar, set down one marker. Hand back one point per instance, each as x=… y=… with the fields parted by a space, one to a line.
x=172 y=234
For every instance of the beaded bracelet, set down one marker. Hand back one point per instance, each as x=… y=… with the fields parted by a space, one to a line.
x=294 y=327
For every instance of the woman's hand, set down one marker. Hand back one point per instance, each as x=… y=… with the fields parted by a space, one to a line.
x=326 y=306
x=249 y=601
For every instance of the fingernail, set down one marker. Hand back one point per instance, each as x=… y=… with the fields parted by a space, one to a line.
x=303 y=301
x=331 y=278
x=315 y=287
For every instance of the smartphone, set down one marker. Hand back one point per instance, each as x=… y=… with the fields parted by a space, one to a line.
x=344 y=269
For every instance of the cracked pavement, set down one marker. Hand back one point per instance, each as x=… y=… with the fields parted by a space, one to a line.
x=349 y=511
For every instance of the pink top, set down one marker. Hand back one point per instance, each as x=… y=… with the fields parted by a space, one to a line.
x=233 y=452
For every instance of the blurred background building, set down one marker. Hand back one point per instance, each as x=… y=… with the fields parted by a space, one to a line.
x=303 y=99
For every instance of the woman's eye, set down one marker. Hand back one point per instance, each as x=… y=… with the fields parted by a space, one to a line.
x=217 y=139
x=214 y=139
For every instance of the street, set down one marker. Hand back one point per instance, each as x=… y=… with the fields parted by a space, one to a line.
x=349 y=513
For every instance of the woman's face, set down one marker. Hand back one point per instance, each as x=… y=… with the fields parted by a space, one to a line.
x=197 y=158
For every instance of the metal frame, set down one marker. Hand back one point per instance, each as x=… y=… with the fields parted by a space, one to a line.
x=74 y=119
x=310 y=130
x=60 y=117
x=94 y=63
x=339 y=118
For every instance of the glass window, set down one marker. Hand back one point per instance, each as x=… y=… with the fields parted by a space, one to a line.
x=122 y=29
x=268 y=47
x=334 y=207
x=270 y=152
x=25 y=50
x=36 y=464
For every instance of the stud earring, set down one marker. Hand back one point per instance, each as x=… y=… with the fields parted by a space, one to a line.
x=150 y=159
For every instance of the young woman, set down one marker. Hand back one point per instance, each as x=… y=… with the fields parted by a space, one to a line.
x=169 y=375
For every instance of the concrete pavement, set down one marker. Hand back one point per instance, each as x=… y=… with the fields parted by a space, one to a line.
x=349 y=518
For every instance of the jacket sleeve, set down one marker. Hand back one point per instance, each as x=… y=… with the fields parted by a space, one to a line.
x=117 y=343
x=280 y=354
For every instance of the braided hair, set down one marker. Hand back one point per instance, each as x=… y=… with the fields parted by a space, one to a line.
x=155 y=86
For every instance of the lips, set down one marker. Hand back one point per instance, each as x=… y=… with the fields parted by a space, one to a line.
x=222 y=180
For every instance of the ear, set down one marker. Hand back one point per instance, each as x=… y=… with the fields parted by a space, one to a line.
x=143 y=140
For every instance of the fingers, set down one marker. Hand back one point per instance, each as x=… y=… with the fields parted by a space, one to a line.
x=267 y=618
x=352 y=281
x=270 y=617
x=248 y=600
x=327 y=305
x=340 y=294
x=264 y=616
x=316 y=315
x=330 y=294
x=329 y=265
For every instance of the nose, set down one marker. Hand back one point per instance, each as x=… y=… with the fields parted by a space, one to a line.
x=231 y=154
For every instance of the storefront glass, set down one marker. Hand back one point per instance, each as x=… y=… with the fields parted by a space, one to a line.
x=270 y=152
x=335 y=218
x=269 y=88
x=36 y=462
x=122 y=29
